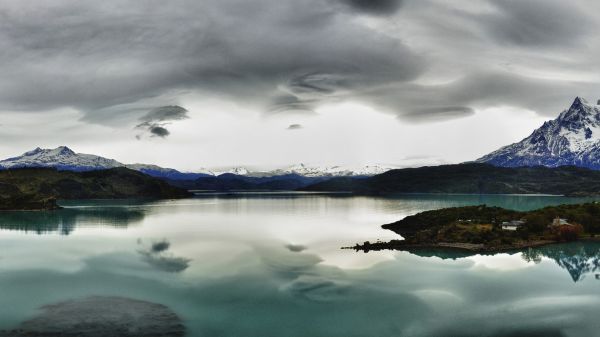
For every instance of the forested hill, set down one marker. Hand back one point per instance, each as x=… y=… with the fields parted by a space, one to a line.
x=473 y=178
x=38 y=188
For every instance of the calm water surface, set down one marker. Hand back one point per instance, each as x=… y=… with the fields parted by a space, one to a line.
x=270 y=265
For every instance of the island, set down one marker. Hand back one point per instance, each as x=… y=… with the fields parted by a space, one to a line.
x=40 y=188
x=491 y=229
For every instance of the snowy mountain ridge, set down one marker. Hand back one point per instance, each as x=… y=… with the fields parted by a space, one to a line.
x=573 y=138
x=63 y=158
x=332 y=171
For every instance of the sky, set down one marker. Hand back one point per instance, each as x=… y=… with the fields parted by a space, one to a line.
x=196 y=84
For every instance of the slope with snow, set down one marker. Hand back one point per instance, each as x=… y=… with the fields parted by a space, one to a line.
x=573 y=138
x=332 y=171
x=63 y=158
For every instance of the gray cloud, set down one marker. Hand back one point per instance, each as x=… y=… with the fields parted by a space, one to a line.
x=155 y=129
x=294 y=127
x=295 y=248
x=155 y=120
x=166 y=113
x=108 y=64
x=112 y=63
x=476 y=90
x=375 y=6
x=537 y=23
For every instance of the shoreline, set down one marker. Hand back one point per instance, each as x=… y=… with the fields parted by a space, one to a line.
x=402 y=245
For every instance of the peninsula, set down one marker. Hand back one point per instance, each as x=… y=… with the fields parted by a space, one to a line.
x=491 y=229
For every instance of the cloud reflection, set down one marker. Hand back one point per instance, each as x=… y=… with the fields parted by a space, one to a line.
x=157 y=256
x=269 y=290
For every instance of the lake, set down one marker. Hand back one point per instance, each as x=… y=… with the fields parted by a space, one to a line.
x=271 y=265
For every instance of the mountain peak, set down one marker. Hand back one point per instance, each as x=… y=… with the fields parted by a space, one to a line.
x=580 y=106
x=62 y=158
x=573 y=138
x=579 y=101
x=33 y=152
x=63 y=150
x=580 y=112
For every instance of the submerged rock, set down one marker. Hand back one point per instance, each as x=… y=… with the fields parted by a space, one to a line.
x=102 y=317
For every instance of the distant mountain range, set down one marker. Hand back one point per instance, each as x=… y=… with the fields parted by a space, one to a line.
x=63 y=158
x=328 y=171
x=471 y=178
x=573 y=138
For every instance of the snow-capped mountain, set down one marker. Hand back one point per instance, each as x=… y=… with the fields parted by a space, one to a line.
x=240 y=171
x=573 y=138
x=63 y=158
x=167 y=173
x=329 y=171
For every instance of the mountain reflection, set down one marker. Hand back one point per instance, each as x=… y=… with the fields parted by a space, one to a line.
x=579 y=259
x=64 y=221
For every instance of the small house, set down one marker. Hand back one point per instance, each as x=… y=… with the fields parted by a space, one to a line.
x=559 y=222
x=512 y=225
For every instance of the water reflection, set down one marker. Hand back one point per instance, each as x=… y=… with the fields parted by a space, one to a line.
x=64 y=221
x=417 y=202
x=272 y=267
x=579 y=259
x=157 y=255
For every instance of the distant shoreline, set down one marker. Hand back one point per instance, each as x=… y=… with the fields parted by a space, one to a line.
x=402 y=245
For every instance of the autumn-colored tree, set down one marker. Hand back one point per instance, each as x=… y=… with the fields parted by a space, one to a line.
x=569 y=232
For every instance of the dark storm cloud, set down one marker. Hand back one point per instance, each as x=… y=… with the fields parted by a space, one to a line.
x=166 y=113
x=537 y=22
x=111 y=58
x=375 y=6
x=295 y=248
x=156 y=119
x=114 y=61
x=443 y=112
x=316 y=82
x=289 y=103
x=155 y=130
x=159 y=131
x=423 y=103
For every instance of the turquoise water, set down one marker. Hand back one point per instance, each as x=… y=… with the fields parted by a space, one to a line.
x=270 y=265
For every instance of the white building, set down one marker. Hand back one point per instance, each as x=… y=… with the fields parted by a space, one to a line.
x=512 y=225
x=559 y=222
